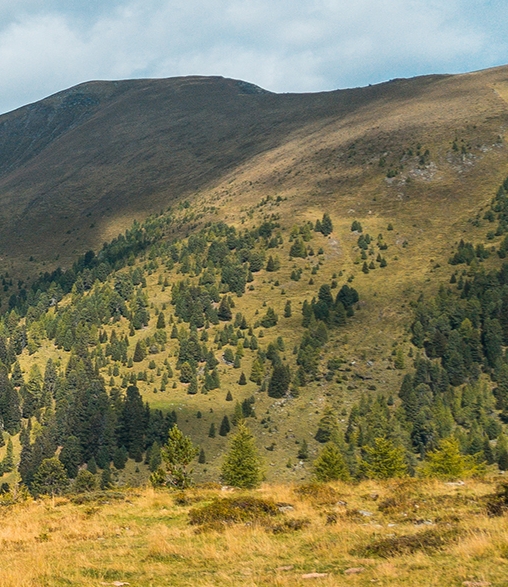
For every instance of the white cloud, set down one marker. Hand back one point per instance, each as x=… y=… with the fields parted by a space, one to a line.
x=298 y=45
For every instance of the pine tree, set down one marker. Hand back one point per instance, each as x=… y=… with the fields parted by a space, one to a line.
x=193 y=386
x=202 y=457
x=71 y=456
x=257 y=372
x=161 y=322
x=326 y=225
x=139 y=352
x=229 y=396
x=279 y=382
x=242 y=465
x=177 y=455
x=243 y=379
x=383 y=460
x=224 y=311
x=211 y=432
x=120 y=457
x=50 y=478
x=225 y=427
x=303 y=451
x=8 y=460
x=330 y=464
x=287 y=309
x=447 y=462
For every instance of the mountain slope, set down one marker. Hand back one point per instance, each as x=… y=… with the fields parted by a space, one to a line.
x=78 y=167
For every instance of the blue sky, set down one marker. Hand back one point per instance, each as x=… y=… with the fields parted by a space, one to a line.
x=281 y=45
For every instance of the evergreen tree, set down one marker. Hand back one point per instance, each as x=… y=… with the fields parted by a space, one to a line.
x=177 y=454
x=155 y=457
x=326 y=224
x=202 y=457
x=447 y=462
x=224 y=311
x=50 y=478
x=161 y=322
x=303 y=451
x=269 y=319
x=91 y=466
x=384 y=460
x=211 y=431
x=330 y=465
x=71 y=456
x=86 y=482
x=193 y=386
x=8 y=460
x=225 y=427
x=139 y=352
x=242 y=465
x=132 y=423
x=120 y=457
x=243 y=379
x=287 y=309
x=279 y=382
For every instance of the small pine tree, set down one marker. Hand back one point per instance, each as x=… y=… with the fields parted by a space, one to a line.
x=384 y=460
x=202 y=457
x=303 y=451
x=161 y=322
x=224 y=311
x=211 y=432
x=229 y=396
x=92 y=466
x=242 y=465
x=287 y=309
x=193 y=386
x=243 y=379
x=139 y=352
x=447 y=462
x=177 y=455
x=50 y=478
x=326 y=224
x=225 y=427
x=330 y=464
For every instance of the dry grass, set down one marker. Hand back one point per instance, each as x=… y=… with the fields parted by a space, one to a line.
x=147 y=540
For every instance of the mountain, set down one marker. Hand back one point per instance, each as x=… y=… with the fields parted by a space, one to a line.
x=328 y=266
x=79 y=166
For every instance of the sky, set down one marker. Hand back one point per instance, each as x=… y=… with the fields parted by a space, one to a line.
x=280 y=45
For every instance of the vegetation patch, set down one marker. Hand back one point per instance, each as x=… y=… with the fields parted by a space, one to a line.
x=426 y=541
x=319 y=493
x=234 y=510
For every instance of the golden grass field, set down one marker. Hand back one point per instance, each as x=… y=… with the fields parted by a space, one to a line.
x=426 y=533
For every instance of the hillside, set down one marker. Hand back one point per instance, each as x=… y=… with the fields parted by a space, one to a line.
x=328 y=266
x=79 y=166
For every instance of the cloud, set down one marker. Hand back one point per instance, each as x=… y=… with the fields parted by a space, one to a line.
x=282 y=45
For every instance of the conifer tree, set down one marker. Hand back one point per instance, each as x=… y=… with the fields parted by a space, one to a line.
x=447 y=462
x=279 y=382
x=8 y=460
x=287 y=309
x=383 y=460
x=211 y=431
x=225 y=427
x=50 y=478
x=161 y=322
x=70 y=456
x=224 y=311
x=242 y=465
x=243 y=379
x=177 y=455
x=326 y=225
x=330 y=464
x=202 y=457
x=139 y=352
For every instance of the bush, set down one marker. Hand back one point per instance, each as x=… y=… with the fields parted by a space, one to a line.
x=234 y=510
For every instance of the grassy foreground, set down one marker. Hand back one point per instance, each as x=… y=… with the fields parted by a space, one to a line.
x=406 y=532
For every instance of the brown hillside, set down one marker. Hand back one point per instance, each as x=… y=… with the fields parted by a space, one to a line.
x=77 y=167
